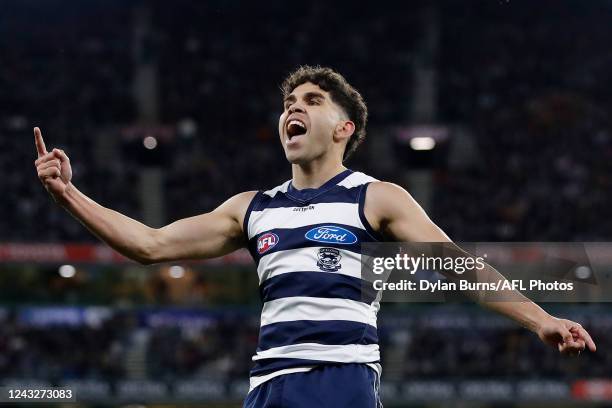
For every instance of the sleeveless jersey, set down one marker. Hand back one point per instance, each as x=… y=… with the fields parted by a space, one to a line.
x=307 y=247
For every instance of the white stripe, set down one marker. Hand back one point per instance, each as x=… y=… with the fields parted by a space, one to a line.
x=282 y=188
x=356 y=179
x=348 y=353
x=305 y=260
x=294 y=308
x=376 y=367
x=257 y=381
x=285 y=217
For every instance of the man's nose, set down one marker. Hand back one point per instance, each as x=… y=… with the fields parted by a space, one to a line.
x=296 y=108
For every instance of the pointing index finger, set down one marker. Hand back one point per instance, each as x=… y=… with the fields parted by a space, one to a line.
x=586 y=337
x=40 y=143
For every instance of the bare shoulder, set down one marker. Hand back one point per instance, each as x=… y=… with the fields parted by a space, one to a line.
x=240 y=200
x=384 y=198
x=236 y=206
x=392 y=211
x=385 y=189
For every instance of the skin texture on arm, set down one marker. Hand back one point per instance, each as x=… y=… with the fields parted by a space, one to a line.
x=207 y=235
x=398 y=217
x=204 y=236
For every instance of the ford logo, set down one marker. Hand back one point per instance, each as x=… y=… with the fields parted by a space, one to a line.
x=331 y=234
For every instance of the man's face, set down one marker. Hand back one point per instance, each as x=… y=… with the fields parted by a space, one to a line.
x=307 y=124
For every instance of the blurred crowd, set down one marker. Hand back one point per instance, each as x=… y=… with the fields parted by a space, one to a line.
x=529 y=82
x=481 y=351
x=62 y=353
x=221 y=76
x=532 y=81
x=415 y=346
x=71 y=77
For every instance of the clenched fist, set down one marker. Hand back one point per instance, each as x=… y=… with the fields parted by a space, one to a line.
x=53 y=168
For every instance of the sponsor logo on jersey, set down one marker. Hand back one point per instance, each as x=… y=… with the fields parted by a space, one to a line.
x=331 y=234
x=266 y=242
x=302 y=209
x=328 y=259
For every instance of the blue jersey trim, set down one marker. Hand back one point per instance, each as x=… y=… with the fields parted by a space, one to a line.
x=247 y=215
x=307 y=194
x=336 y=194
x=362 y=195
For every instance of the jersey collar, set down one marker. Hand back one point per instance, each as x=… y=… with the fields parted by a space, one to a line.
x=307 y=194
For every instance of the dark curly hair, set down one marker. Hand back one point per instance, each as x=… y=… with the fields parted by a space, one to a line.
x=341 y=92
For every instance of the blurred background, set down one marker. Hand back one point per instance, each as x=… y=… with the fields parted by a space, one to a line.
x=495 y=115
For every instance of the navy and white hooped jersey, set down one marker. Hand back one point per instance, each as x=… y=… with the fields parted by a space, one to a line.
x=307 y=247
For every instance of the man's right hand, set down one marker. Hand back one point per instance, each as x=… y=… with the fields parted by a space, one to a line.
x=208 y=235
x=53 y=168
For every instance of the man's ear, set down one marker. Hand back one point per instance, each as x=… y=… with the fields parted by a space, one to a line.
x=344 y=130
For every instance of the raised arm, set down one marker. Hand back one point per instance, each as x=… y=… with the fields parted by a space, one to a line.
x=204 y=236
x=397 y=216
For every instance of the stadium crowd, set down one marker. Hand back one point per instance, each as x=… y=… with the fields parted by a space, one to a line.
x=533 y=95
x=440 y=344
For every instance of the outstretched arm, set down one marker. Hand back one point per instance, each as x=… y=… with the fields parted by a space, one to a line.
x=397 y=216
x=204 y=236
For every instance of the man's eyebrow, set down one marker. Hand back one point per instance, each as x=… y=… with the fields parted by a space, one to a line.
x=307 y=95
x=312 y=95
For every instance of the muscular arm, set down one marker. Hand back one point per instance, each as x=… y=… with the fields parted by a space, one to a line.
x=398 y=217
x=204 y=236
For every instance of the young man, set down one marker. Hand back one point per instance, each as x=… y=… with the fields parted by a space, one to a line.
x=318 y=342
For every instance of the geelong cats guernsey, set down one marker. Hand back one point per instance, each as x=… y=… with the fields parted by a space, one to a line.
x=307 y=247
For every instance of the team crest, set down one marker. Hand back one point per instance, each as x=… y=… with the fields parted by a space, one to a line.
x=328 y=259
x=266 y=242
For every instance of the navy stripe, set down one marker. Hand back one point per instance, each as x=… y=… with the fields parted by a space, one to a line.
x=245 y=222
x=317 y=284
x=294 y=238
x=337 y=194
x=337 y=332
x=362 y=195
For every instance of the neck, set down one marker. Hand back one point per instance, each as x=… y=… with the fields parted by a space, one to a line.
x=314 y=174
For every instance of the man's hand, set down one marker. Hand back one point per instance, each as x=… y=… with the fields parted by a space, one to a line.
x=569 y=337
x=53 y=168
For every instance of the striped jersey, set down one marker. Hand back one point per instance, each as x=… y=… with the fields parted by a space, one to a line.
x=307 y=247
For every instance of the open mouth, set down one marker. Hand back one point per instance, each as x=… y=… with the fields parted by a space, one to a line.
x=295 y=127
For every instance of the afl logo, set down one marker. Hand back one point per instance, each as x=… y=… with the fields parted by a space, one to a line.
x=266 y=242
x=331 y=234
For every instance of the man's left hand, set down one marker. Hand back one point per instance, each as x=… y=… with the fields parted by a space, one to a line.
x=568 y=336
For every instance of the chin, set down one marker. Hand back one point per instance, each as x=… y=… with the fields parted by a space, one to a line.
x=296 y=158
